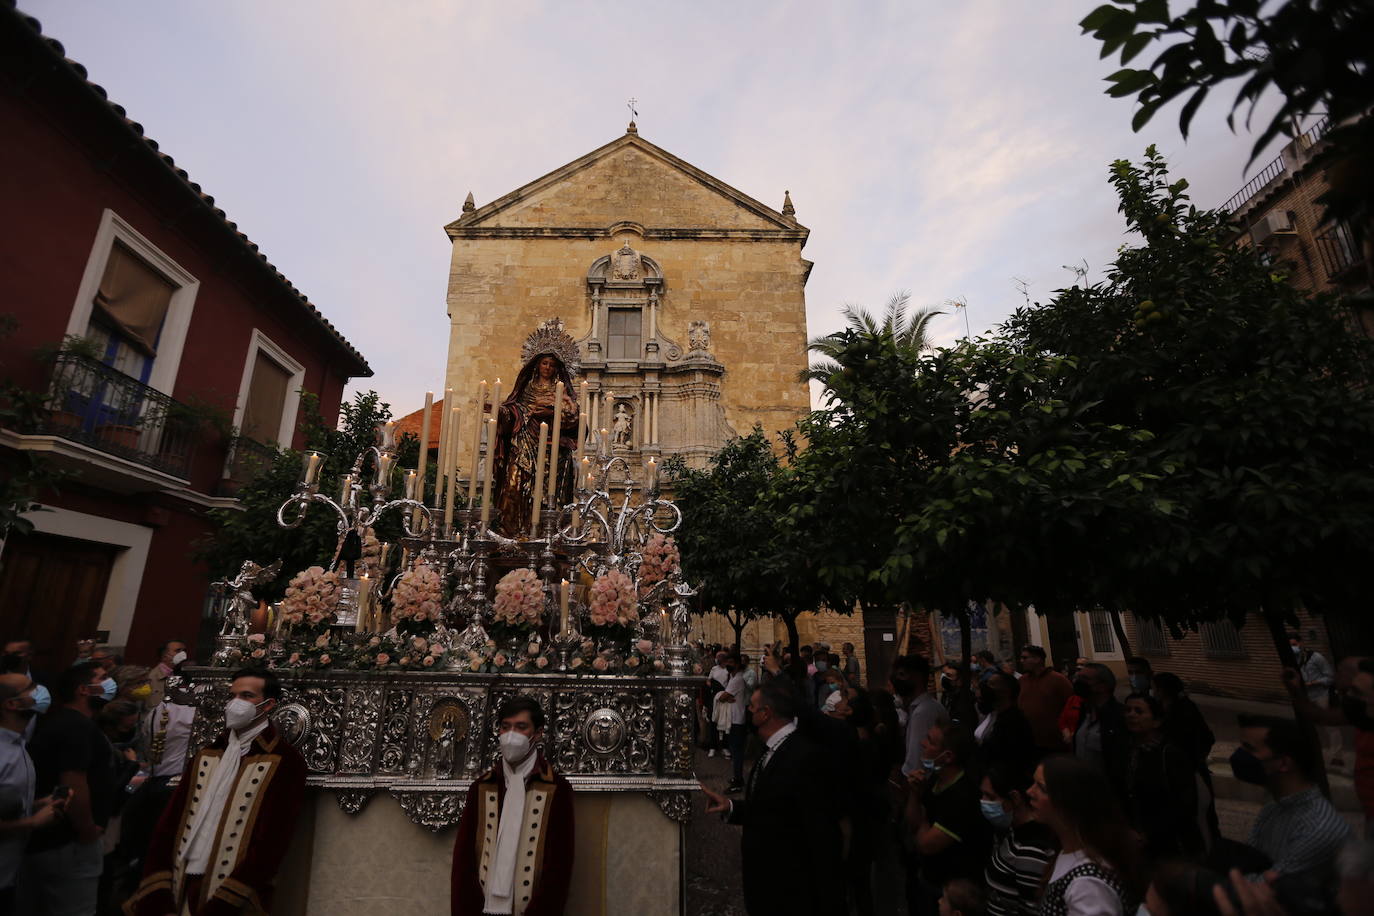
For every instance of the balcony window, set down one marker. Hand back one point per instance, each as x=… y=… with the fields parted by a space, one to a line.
x=267 y=393
x=1221 y=640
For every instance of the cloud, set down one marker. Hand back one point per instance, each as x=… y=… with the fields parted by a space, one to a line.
x=939 y=149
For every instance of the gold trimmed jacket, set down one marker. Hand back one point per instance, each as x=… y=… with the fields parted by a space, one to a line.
x=250 y=841
x=544 y=857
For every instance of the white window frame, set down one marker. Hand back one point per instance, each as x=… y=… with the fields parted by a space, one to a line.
x=261 y=343
x=1086 y=648
x=172 y=341
x=126 y=572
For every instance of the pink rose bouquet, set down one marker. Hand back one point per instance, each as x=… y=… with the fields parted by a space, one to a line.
x=417 y=597
x=311 y=596
x=519 y=599
x=613 y=600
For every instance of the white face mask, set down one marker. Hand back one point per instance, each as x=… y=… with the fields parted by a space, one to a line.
x=178 y=659
x=239 y=714
x=515 y=747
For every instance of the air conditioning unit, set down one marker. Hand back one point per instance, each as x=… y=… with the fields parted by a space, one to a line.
x=1277 y=223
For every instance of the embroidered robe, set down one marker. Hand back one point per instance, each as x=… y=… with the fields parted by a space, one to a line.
x=544 y=855
x=251 y=838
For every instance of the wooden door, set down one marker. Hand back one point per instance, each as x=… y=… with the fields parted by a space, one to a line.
x=51 y=592
x=1063 y=639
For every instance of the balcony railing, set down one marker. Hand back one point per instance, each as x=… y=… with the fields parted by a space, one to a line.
x=1255 y=185
x=1338 y=250
x=91 y=403
x=248 y=461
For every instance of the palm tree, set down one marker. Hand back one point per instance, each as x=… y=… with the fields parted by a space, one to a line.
x=908 y=333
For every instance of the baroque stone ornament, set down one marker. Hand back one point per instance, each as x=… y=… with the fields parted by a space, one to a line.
x=625 y=263
x=604 y=731
x=677 y=805
x=699 y=336
x=433 y=809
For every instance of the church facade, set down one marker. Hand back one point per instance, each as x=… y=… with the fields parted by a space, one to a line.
x=686 y=298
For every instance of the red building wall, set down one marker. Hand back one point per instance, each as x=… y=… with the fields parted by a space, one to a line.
x=66 y=157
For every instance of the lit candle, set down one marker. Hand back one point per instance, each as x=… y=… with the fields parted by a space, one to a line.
x=386 y=463
x=476 y=442
x=495 y=399
x=663 y=627
x=540 y=456
x=310 y=469
x=557 y=435
x=486 y=478
x=584 y=469
x=603 y=447
x=387 y=433
x=563 y=603
x=452 y=452
x=422 y=462
x=346 y=491
x=651 y=477
x=411 y=479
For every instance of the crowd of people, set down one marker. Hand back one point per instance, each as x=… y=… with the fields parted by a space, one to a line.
x=1014 y=788
x=88 y=755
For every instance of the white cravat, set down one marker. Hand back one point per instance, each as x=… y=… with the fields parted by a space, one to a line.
x=501 y=876
x=206 y=821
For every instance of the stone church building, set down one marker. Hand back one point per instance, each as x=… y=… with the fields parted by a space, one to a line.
x=686 y=296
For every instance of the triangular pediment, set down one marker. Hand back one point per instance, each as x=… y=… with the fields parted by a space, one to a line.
x=627 y=180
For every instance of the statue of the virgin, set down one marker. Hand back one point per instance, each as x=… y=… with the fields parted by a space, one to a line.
x=550 y=356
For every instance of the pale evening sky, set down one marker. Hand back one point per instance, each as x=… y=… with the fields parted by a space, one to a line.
x=939 y=150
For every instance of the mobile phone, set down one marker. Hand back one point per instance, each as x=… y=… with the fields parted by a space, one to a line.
x=61 y=793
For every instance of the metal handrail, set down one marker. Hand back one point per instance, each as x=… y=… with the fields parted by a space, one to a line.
x=92 y=403
x=1252 y=187
x=1338 y=250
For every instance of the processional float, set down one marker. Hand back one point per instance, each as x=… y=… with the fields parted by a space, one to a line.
x=395 y=656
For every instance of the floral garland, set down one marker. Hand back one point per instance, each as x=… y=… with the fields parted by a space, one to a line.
x=415 y=602
x=613 y=601
x=311 y=597
x=519 y=601
x=661 y=560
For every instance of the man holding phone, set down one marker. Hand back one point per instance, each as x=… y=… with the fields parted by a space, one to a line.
x=62 y=865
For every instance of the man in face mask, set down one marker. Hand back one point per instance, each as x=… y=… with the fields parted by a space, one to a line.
x=1101 y=736
x=1300 y=831
x=1141 y=675
x=514 y=851
x=20 y=812
x=225 y=831
x=171 y=655
x=63 y=861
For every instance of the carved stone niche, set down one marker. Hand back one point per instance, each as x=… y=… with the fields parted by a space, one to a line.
x=624 y=280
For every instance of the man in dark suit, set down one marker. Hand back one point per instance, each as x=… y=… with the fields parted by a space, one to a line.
x=791 y=825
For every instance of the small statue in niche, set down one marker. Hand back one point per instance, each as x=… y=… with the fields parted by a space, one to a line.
x=623 y=430
x=699 y=336
x=448 y=728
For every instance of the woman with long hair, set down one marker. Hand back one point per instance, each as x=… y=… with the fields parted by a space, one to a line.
x=1096 y=872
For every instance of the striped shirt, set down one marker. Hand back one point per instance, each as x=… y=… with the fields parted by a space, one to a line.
x=1016 y=869
x=1302 y=835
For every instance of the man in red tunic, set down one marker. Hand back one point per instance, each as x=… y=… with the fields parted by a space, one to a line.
x=217 y=847
x=514 y=852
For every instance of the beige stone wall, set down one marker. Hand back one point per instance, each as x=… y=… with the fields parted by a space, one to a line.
x=721 y=262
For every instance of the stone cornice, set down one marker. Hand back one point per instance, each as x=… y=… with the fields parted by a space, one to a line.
x=456 y=232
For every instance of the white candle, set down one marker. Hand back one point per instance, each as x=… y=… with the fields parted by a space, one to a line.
x=557 y=435
x=581 y=418
x=604 y=446
x=442 y=465
x=651 y=476
x=486 y=478
x=540 y=455
x=476 y=442
x=422 y=462
x=452 y=451
x=411 y=479
x=563 y=603
x=364 y=603
x=346 y=491
x=310 y=468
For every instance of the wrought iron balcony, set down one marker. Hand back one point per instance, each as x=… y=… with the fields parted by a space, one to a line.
x=1339 y=252
x=91 y=403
